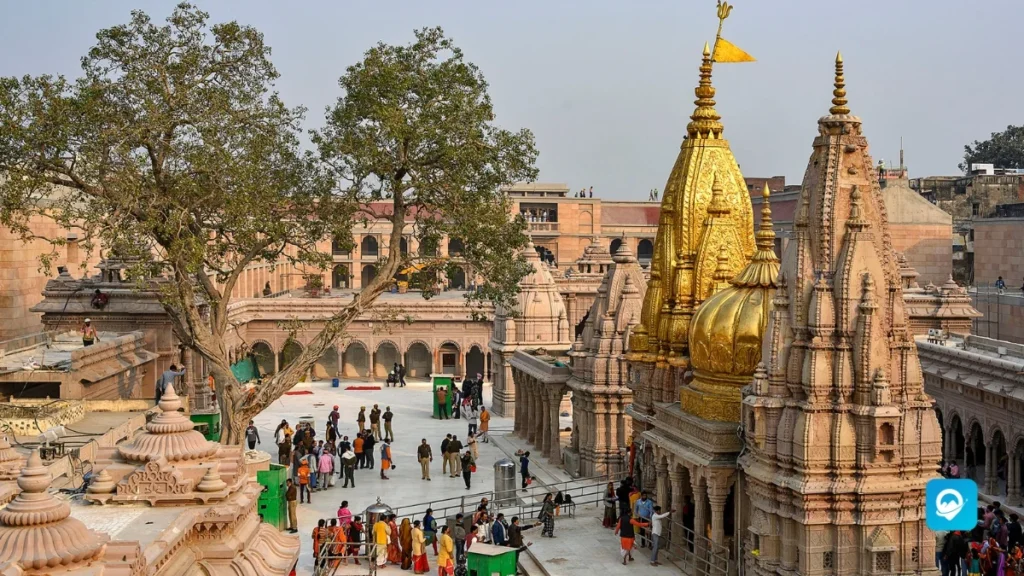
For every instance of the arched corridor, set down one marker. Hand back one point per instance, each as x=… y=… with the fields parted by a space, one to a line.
x=264 y=356
x=339 y=277
x=449 y=356
x=458 y=279
x=369 y=247
x=475 y=362
x=369 y=273
x=355 y=361
x=384 y=359
x=645 y=252
x=417 y=361
x=327 y=366
x=289 y=352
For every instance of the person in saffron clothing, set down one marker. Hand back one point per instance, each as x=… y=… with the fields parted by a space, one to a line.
x=420 y=565
x=445 y=563
x=627 y=535
x=394 y=544
x=405 y=539
x=385 y=459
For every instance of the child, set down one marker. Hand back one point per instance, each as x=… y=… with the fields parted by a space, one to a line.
x=304 y=481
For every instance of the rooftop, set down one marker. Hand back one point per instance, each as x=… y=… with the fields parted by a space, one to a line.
x=48 y=352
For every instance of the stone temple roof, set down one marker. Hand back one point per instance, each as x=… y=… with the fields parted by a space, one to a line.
x=539 y=317
x=169 y=435
x=37 y=531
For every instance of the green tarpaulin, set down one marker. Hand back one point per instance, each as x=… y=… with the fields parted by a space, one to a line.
x=244 y=370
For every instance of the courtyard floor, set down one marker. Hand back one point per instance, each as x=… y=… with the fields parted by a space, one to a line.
x=581 y=544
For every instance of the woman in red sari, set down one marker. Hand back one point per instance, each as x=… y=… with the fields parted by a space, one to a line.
x=394 y=546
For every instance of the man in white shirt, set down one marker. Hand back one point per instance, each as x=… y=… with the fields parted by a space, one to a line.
x=657 y=523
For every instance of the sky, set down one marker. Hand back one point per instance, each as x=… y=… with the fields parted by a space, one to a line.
x=607 y=86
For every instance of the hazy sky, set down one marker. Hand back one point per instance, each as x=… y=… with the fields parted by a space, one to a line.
x=607 y=87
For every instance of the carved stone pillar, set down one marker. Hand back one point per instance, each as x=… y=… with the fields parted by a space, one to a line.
x=675 y=479
x=717 y=498
x=1013 y=480
x=699 y=509
x=554 y=445
x=529 y=407
x=504 y=401
x=991 y=480
x=519 y=418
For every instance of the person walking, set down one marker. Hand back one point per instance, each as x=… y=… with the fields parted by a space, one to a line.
x=381 y=535
x=291 y=496
x=332 y=420
x=326 y=469
x=459 y=537
x=524 y=468
x=401 y=375
x=499 y=531
x=388 y=415
x=485 y=424
x=385 y=459
x=361 y=419
x=443 y=411
x=657 y=524
x=430 y=529
x=627 y=535
x=375 y=422
x=445 y=558
x=90 y=337
x=444 y=453
x=547 y=516
x=470 y=415
x=284 y=450
x=368 y=443
x=303 y=474
x=252 y=435
x=420 y=565
x=515 y=536
x=425 y=456
x=454 y=449
x=468 y=467
x=472 y=444
x=357 y=448
x=344 y=514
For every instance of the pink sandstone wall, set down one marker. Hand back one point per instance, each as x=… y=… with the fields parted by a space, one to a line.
x=999 y=251
x=927 y=247
x=22 y=281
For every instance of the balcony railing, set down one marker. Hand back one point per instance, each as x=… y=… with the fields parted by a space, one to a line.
x=543 y=226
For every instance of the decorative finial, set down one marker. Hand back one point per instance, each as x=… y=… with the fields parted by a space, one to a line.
x=704 y=122
x=839 y=107
x=766 y=232
x=718 y=205
x=722 y=269
x=855 y=221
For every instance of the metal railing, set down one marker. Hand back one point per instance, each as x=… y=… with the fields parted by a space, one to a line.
x=695 y=554
x=335 y=553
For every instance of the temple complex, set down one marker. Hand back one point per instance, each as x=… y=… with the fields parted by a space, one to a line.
x=841 y=436
x=599 y=380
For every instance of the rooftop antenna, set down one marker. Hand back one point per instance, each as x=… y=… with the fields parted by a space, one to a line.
x=901 y=153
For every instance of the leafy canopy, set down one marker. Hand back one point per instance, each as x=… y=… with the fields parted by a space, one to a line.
x=173 y=150
x=1003 y=149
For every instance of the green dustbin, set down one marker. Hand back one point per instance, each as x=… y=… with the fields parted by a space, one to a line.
x=212 y=421
x=446 y=381
x=271 y=504
x=488 y=560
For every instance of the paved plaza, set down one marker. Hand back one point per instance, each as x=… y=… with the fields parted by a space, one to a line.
x=579 y=544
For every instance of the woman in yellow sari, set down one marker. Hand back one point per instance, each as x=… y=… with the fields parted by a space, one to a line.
x=446 y=554
x=420 y=565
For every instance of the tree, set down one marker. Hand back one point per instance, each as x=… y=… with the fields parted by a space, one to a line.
x=1003 y=149
x=173 y=151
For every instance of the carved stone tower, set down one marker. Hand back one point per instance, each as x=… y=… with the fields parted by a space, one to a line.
x=841 y=437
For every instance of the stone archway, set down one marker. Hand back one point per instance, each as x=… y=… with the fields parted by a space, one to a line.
x=616 y=243
x=448 y=359
x=327 y=366
x=385 y=358
x=975 y=454
x=355 y=361
x=289 y=352
x=475 y=361
x=368 y=274
x=957 y=450
x=339 y=277
x=996 y=470
x=264 y=356
x=458 y=279
x=644 y=252
x=369 y=247
x=455 y=247
x=417 y=361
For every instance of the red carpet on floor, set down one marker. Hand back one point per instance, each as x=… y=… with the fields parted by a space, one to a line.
x=298 y=392
x=362 y=388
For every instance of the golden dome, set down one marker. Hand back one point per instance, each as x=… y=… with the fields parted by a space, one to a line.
x=726 y=333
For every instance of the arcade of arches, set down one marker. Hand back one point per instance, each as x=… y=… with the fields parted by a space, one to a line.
x=353 y=360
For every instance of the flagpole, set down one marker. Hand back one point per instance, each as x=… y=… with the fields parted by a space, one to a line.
x=723 y=12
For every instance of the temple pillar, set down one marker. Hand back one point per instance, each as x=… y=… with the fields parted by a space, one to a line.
x=675 y=479
x=661 y=484
x=529 y=407
x=536 y=414
x=554 y=445
x=613 y=444
x=518 y=415
x=543 y=418
x=717 y=498
x=599 y=447
x=1013 y=480
x=699 y=510
x=991 y=480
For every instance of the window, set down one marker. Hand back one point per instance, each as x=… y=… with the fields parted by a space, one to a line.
x=828 y=560
x=975 y=209
x=883 y=562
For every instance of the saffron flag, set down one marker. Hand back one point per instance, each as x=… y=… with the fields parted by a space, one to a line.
x=726 y=51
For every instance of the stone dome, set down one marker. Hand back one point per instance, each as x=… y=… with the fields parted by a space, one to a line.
x=539 y=316
x=37 y=531
x=169 y=435
x=727 y=330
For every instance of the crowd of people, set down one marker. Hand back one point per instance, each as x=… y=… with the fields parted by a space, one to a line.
x=994 y=547
x=636 y=519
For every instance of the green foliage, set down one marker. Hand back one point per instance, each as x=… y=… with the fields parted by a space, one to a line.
x=1004 y=149
x=413 y=134
x=173 y=151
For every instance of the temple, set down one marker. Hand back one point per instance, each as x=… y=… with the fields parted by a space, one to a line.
x=840 y=434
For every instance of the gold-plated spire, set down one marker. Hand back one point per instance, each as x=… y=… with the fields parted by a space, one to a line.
x=839 y=93
x=705 y=119
x=718 y=204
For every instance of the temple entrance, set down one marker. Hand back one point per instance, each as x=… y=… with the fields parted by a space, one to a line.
x=475 y=362
x=384 y=359
x=417 y=361
x=264 y=356
x=327 y=366
x=449 y=358
x=355 y=361
x=289 y=353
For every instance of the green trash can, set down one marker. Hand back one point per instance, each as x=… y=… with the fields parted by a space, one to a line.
x=271 y=504
x=446 y=381
x=212 y=422
x=489 y=560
